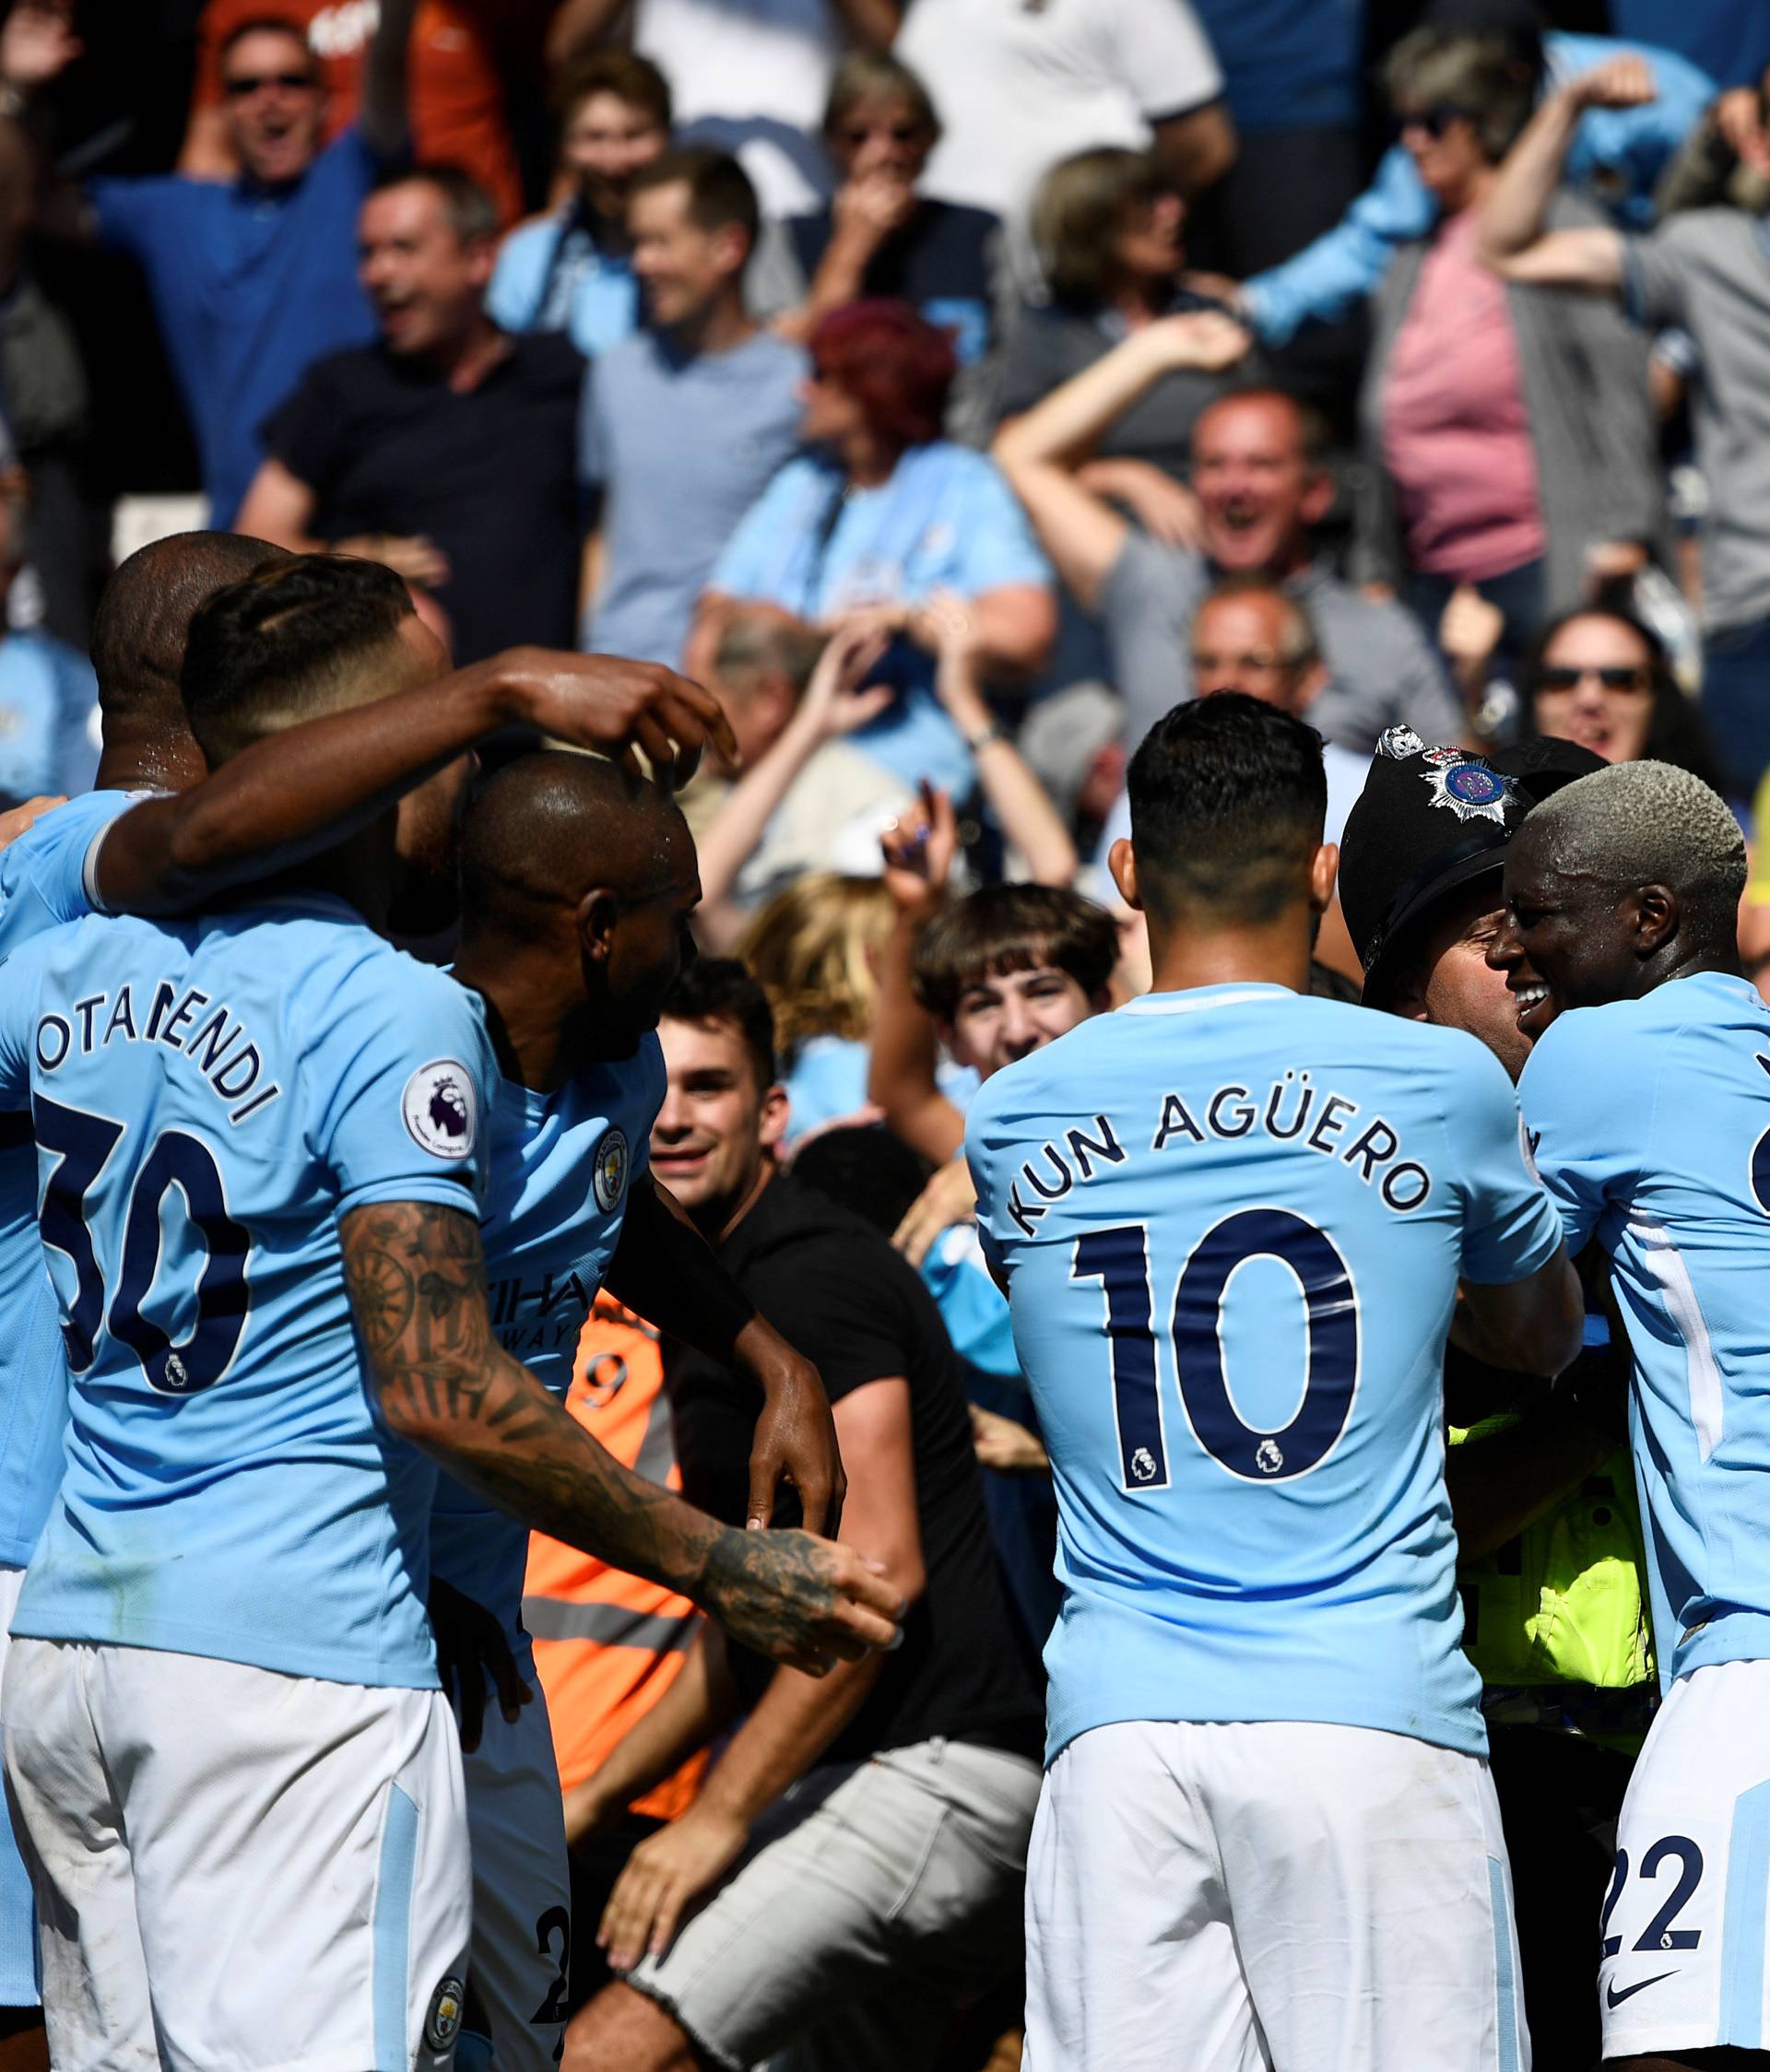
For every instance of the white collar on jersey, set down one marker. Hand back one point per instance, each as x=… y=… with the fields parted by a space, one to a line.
x=1201 y=999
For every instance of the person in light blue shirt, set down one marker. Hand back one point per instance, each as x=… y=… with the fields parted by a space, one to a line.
x=1648 y=1100
x=48 y=695
x=1616 y=158
x=881 y=515
x=572 y=270
x=1231 y=1221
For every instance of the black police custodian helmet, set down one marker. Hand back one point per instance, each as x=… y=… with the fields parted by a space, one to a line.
x=1429 y=821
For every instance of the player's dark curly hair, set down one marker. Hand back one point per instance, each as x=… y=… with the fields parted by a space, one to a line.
x=1003 y=928
x=719 y=989
x=272 y=650
x=1228 y=797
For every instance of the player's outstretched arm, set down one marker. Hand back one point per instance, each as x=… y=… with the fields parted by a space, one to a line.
x=1532 y=1326
x=416 y=1280
x=665 y=1271
x=287 y=798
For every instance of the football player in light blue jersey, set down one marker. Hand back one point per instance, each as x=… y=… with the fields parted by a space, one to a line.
x=576 y=884
x=1647 y=1100
x=160 y=835
x=224 y=1737
x=1231 y=1220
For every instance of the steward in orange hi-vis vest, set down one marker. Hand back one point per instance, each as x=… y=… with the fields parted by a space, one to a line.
x=608 y=1645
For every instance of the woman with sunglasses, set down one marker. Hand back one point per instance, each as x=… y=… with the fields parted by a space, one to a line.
x=1508 y=431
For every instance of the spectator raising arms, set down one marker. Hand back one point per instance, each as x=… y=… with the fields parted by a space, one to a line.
x=253 y=279
x=1508 y=431
x=683 y=424
x=881 y=514
x=571 y=271
x=445 y=449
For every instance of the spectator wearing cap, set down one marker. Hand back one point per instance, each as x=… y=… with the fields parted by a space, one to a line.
x=681 y=426
x=878 y=236
x=456 y=89
x=445 y=449
x=1541 y=1486
x=572 y=270
x=1508 y=431
x=1616 y=162
x=881 y=515
x=253 y=279
x=1259 y=474
x=1705 y=270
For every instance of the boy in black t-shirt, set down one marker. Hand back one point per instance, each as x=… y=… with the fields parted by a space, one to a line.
x=857 y=1851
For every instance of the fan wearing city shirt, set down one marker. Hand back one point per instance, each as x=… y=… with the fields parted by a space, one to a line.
x=231 y=1574
x=577 y=884
x=163 y=834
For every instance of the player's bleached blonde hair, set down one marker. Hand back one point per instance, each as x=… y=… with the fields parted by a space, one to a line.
x=1647 y=823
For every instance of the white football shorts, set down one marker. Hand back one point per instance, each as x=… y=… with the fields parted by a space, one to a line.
x=18 y=1984
x=1682 y=1933
x=237 y=1871
x=1231 y=1898
x=520 y=1966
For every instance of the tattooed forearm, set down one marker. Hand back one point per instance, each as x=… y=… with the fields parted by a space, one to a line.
x=417 y=1280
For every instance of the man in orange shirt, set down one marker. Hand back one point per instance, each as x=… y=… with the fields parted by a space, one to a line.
x=608 y=1645
x=458 y=114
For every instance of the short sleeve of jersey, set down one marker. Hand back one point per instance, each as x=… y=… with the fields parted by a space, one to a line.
x=1655 y=274
x=1585 y=1153
x=852 y=1324
x=1510 y=1228
x=47 y=876
x=400 y=1086
x=1164 y=58
x=19 y=994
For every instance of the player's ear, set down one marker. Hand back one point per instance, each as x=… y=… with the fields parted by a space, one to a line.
x=1322 y=874
x=1653 y=917
x=599 y=911
x=1121 y=860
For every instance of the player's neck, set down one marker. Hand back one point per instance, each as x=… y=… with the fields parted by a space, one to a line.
x=538 y=1036
x=149 y=762
x=1185 y=956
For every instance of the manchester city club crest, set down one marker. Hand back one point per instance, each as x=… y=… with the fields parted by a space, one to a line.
x=609 y=1172
x=1470 y=790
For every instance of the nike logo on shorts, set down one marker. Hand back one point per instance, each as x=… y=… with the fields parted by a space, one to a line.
x=1615 y=1999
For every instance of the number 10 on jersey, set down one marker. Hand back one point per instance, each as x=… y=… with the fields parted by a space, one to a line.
x=1120 y=1258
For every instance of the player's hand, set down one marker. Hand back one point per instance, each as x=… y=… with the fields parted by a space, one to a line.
x=413 y=556
x=665 y=1875
x=810 y=1603
x=920 y=850
x=38 y=43
x=470 y=1649
x=606 y=703
x=17 y=819
x=794 y=1441
x=950 y=1197
x=1007 y=1447
x=1621 y=82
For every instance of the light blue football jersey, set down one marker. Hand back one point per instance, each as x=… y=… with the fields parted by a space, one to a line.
x=44 y=881
x=208 y=1097
x=564 y=1165
x=1233 y=1223
x=1650 y=1122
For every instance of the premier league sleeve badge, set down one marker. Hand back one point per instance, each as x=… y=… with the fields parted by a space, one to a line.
x=1470 y=790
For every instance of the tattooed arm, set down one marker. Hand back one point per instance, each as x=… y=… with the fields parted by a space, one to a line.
x=417 y=1280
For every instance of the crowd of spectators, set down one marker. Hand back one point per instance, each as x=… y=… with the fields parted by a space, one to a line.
x=952 y=387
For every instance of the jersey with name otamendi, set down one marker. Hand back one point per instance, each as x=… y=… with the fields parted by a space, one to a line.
x=562 y=1168
x=45 y=879
x=1650 y=1124
x=209 y=1098
x=1232 y=1221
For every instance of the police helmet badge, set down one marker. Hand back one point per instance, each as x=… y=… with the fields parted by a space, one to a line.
x=608 y=1169
x=1470 y=789
x=1399 y=743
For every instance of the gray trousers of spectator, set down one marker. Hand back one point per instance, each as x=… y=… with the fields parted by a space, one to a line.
x=874 y=1902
